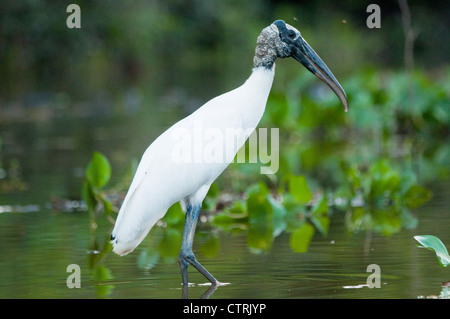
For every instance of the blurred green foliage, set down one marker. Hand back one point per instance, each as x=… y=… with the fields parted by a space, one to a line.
x=381 y=198
x=156 y=46
x=383 y=121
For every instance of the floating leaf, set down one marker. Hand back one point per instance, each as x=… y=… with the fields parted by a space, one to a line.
x=435 y=244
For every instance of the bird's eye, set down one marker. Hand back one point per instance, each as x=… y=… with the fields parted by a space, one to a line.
x=291 y=33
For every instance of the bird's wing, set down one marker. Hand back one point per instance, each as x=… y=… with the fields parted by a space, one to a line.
x=183 y=160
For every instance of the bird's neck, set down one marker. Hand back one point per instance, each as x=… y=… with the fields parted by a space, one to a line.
x=255 y=92
x=266 y=51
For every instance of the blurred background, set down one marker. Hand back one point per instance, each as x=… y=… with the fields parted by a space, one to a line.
x=135 y=67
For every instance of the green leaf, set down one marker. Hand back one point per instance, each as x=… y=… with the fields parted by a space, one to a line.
x=435 y=244
x=235 y=214
x=232 y=217
x=278 y=216
x=238 y=209
x=258 y=207
x=301 y=238
x=385 y=180
x=386 y=221
x=354 y=177
x=226 y=222
x=299 y=189
x=320 y=208
x=417 y=196
x=319 y=215
x=89 y=197
x=98 y=171
x=107 y=206
x=260 y=236
x=259 y=188
x=174 y=215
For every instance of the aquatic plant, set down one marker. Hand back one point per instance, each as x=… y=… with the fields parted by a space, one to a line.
x=435 y=244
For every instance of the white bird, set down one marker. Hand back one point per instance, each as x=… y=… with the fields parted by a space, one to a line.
x=174 y=167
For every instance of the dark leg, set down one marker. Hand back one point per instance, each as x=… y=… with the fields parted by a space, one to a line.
x=186 y=255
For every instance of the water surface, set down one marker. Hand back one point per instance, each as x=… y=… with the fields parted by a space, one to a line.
x=38 y=246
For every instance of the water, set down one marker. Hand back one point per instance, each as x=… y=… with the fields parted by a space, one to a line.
x=37 y=247
x=38 y=243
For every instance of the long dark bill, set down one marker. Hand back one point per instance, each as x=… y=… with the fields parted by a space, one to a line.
x=310 y=60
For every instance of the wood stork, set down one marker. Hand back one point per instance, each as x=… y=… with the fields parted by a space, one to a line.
x=162 y=179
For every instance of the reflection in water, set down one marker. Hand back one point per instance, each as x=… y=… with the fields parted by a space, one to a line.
x=208 y=292
x=48 y=242
x=97 y=254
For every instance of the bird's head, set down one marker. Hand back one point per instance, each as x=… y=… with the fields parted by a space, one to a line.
x=281 y=40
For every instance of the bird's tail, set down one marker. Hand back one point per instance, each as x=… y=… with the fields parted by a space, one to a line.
x=140 y=210
x=122 y=246
x=129 y=232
